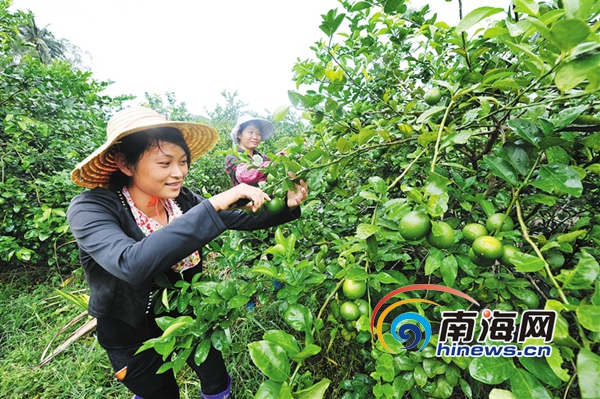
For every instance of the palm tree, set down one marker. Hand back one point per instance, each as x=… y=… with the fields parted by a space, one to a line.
x=46 y=45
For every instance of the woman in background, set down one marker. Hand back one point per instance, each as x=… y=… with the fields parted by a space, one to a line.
x=248 y=134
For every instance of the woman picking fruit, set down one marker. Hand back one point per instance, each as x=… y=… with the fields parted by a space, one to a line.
x=138 y=222
x=247 y=134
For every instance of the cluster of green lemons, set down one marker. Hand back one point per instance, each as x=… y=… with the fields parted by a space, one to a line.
x=354 y=306
x=485 y=248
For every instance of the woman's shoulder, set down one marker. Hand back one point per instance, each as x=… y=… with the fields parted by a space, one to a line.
x=188 y=199
x=100 y=197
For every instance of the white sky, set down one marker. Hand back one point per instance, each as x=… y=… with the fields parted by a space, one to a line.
x=198 y=48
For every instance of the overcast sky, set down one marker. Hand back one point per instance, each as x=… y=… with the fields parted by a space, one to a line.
x=198 y=48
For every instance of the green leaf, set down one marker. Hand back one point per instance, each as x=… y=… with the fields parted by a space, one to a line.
x=437 y=194
x=364 y=231
x=581 y=276
x=589 y=317
x=530 y=7
x=378 y=184
x=540 y=369
x=424 y=117
x=559 y=178
x=403 y=383
x=568 y=33
x=385 y=367
x=433 y=261
x=343 y=145
x=267 y=270
x=308 y=351
x=491 y=370
x=316 y=391
x=527 y=131
x=555 y=362
x=574 y=72
x=283 y=339
x=526 y=263
x=556 y=155
x=501 y=394
x=272 y=389
x=420 y=376
x=165 y=347
x=476 y=16
x=525 y=49
x=592 y=141
x=502 y=169
x=361 y=5
x=456 y=137
x=526 y=386
x=541 y=199
x=449 y=270
x=202 y=351
x=280 y=113
x=567 y=116
x=238 y=301
x=271 y=359
x=298 y=316
x=517 y=157
x=588 y=370
x=365 y=135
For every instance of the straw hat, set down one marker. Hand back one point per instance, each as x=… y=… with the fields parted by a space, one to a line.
x=95 y=170
x=266 y=128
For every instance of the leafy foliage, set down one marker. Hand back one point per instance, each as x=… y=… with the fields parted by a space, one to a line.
x=50 y=117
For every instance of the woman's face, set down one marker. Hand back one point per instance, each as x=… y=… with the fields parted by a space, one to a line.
x=250 y=137
x=161 y=170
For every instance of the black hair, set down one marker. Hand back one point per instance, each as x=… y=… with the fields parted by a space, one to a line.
x=135 y=145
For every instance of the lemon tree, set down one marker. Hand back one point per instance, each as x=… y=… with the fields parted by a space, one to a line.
x=512 y=134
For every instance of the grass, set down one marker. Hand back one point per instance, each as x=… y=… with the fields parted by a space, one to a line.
x=31 y=313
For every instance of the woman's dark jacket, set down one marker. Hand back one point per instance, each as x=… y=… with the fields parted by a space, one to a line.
x=120 y=262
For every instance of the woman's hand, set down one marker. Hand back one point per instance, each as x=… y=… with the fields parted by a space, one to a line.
x=295 y=198
x=224 y=200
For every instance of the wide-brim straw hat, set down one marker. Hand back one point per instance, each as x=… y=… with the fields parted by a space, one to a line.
x=266 y=127
x=95 y=170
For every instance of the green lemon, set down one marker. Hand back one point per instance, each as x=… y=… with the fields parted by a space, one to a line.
x=252 y=213
x=529 y=298
x=443 y=239
x=332 y=181
x=555 y=259
x=354 y=289
x=495 y=220
x=349 y=326
x=363 y=307
x=488 y=247
x=414 y=225
x=478 y=260
x=432 y=97
x=280 y=193
x=274 y=206
x=349 y=311
x=473 y=230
